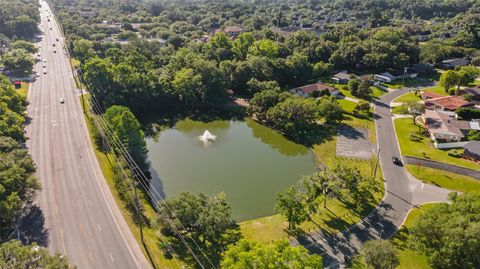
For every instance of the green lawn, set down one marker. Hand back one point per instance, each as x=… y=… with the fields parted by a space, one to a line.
x=377 y=92
x=445 y=179
x=409 y=258
x=23 y=91
x=412 y=97
x=408 y=97
x=421 y=149
x=151 y=247
x=347 y=105
x=339 y=216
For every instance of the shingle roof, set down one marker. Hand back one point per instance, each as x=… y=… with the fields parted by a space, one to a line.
x=473 y=146
x=440 y=123
x=316 y=87
x=449 y=102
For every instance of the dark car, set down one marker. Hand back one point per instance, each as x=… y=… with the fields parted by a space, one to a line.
x=397 y=161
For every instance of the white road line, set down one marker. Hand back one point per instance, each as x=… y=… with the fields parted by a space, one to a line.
x=90 y=202
x=111 y=257
x=99 y=228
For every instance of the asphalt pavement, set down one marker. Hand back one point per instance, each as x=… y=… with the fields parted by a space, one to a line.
x=81 y=218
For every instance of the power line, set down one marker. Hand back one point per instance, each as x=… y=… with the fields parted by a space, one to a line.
x=144 y=182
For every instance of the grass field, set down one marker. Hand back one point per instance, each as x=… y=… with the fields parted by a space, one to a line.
x=347 y=105
x=404 y=127
x=412 y=97
x=445 y=179
x=23 y=91
x=338 y=216
x=151 y=248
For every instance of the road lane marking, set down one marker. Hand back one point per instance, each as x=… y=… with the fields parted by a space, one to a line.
x=99 y=228
x=111 y=257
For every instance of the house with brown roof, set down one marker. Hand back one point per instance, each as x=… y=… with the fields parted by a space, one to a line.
x=448 y=103
x=308 y=90
x=443 y=127
x=233 y=31
x=430 y=95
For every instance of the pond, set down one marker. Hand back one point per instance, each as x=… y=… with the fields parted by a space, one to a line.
x=247 y=161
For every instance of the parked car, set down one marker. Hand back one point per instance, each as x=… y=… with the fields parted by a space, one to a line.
x=62 y=101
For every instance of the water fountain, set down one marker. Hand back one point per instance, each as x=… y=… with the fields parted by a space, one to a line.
x=207 y=137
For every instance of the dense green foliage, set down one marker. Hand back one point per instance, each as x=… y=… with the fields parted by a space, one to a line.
x=279 y=254
x=15 y=255
x=449 y=233
x=379 y=254
x=300 y=202
x=18 y=18
x=127 y=128
x=17 y=181
x=208 y=220
x=466 y=113
x=290 y=114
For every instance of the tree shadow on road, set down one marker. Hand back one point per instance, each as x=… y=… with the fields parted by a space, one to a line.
x=32 y=228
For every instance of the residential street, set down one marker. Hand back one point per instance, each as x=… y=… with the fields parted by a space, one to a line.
x=81 y=217
x=402 y=193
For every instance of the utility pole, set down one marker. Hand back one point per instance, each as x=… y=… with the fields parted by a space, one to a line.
x=376 y=164
x=137 y=208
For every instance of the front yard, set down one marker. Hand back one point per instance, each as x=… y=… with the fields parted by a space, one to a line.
x=424 y=148
x=412 y=97
x=421 y=149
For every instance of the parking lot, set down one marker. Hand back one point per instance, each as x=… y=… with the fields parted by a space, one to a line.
x=354 y=143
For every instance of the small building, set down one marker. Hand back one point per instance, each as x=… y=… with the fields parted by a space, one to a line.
x=342 y=77
x=472 y=150
x=393 y=75
x=233 y=31
x=448 y=103
x=308 y=90
x=423 y=68
x=454 y=62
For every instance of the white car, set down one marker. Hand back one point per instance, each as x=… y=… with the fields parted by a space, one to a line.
x=62 y=101
x=39 y=55
x=44 y=71
x=44 y=60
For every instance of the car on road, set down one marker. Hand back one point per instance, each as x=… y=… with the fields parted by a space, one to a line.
x=62 y=101
x=54 y=44
x=44 y=71
x=57 y=39
x=50 y=28
x=397 y=161
x=54 y=51
x=44 y=60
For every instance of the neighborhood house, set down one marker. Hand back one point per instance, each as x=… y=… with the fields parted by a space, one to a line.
x=308 y=90
x=443 y=127
x=342 y=77
x=453 y=62
x=448 y=103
